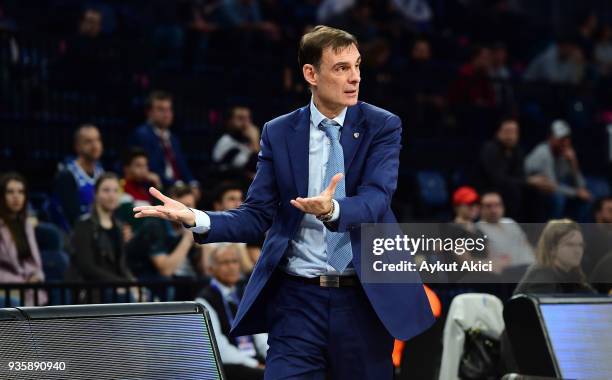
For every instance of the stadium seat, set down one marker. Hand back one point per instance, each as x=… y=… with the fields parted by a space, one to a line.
x=55 y=260
x=432 y=188
x=598 y=186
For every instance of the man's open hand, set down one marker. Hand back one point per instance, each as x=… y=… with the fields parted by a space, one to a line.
x=322 y=203
x=170 y=210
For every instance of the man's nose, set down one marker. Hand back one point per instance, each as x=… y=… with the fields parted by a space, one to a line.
x=355 y=76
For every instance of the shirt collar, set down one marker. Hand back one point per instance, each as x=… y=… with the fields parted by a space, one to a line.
x=316 y=116
x=162 y=133
x=226 y=291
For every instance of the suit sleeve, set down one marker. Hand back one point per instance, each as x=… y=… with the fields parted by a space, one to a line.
x=252 y=219
x=378 y=182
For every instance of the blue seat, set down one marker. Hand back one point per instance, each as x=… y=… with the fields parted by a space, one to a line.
x=54 y=259
x=432 y=188
x=598 y=186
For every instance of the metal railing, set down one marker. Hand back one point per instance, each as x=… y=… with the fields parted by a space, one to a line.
x=70 y=293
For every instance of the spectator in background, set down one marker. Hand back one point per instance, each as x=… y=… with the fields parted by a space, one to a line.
x=163 y=250
x=20 y=260
x=135 y=185
x=603 y=51
x=245 y=15
x=164 y=152
x=598 y=236
x=425 y=84
x=136 y=175
x=90 y=23
x=587 y=27
x=238 y=147
x=243 y=357
x=556 y=160
x=74 y=183
x=98 y=252
x=358 y=19
x=91 y=59
x=500 y=74
x=474 y=87
x=557 y=267
x=507 y=243
x=561 y=63
x=467 y=209
x=501 y=168
x=229 y=196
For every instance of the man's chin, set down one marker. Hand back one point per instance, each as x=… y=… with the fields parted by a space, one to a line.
x=351 y=101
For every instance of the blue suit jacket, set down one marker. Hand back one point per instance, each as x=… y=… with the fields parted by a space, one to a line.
x=145 y=137
x=371 y=162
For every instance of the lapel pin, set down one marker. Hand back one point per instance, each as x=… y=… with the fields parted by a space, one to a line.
x=356 y=135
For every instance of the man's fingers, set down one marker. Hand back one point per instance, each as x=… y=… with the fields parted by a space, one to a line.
x=150 y=213
x=331 y=189
x=297 y=205
x=157 y=194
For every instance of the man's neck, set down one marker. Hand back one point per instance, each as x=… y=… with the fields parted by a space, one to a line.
x=88 y=166
x=157 y=126
x=226 y=284
x=329 y=111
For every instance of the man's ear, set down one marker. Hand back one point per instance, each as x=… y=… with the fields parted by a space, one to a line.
x=309 y=72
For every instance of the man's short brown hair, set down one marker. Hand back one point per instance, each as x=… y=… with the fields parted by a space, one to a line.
x=318 y=39
x=155 y=96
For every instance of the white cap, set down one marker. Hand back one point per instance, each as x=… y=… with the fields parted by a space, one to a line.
x=560 y=129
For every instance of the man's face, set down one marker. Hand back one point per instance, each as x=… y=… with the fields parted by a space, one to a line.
x=91 y=24
x=231 y=199
x=492 y=209
x=508 y=133
x=226 y=266
x=161 y=114
x=605 y=214
x=241 y=119
x=482 y=62
x=421 y=51
x=89 y=144
x=137 y=170
x=499 y=56
x=468 y=211
x=559 y=145
x=336 y=81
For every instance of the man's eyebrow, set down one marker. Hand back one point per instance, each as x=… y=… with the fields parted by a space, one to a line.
x=345 y=63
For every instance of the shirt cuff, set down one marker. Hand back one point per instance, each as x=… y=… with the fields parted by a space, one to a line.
x=202 y=222
x=250 y=362
x=336 y=213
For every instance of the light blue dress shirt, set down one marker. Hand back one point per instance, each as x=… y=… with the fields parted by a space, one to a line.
x=307 y=255
x=307 y=252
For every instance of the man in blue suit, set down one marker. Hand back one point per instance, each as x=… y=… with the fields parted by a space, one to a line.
x=166 y=158
x=322 y=171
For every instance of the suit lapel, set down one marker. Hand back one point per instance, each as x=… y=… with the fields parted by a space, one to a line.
x=298 y=142
x=352 y=134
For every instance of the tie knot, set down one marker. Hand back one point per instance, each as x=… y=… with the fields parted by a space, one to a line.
x=331 y=128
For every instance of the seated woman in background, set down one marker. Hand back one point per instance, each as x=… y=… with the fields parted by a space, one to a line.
x=557 y=268
x=97 y=241
x=19 y=255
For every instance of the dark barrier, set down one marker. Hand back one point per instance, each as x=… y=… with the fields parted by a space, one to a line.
x=71 y=293
x=566 y=337
x=170 y=340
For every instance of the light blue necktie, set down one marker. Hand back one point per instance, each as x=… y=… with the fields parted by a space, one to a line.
x=339 y=252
